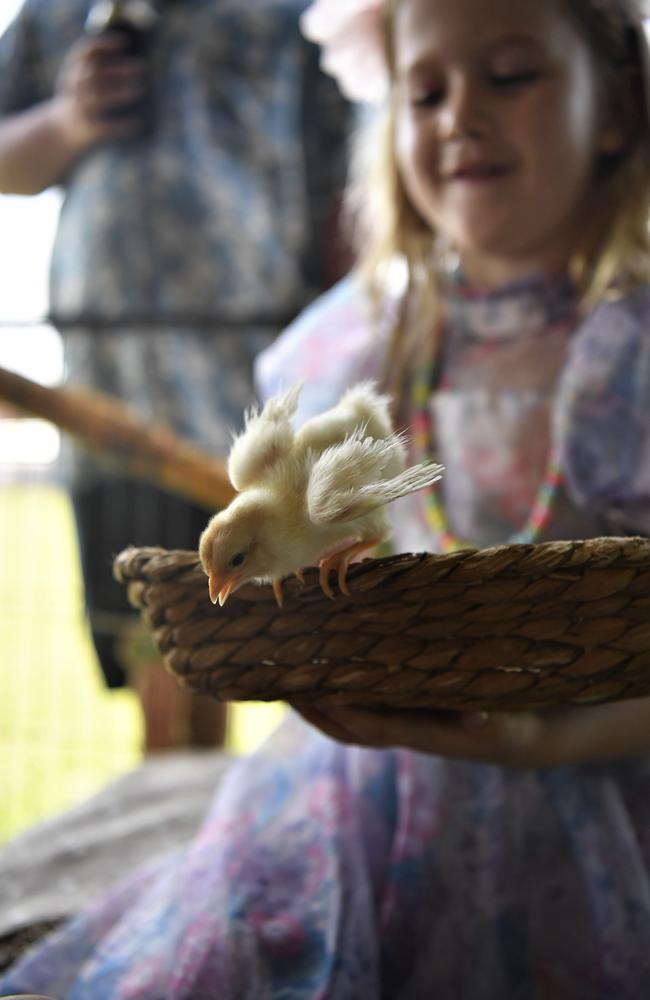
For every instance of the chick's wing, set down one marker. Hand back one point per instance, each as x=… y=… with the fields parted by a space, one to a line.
x=360 y=407
x=346 y=480
x=362 y=474
x=267 y=437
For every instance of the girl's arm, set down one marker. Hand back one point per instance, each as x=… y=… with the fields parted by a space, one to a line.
x=517 y=739
x=40 y=145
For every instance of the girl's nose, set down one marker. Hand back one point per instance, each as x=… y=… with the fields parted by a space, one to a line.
x=463 y=114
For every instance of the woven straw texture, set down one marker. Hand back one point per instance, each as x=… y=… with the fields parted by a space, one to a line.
x=515 y=626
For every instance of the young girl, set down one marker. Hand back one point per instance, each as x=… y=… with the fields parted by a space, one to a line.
x=503 y=294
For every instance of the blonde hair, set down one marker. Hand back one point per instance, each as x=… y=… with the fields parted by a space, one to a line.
x=614 y=254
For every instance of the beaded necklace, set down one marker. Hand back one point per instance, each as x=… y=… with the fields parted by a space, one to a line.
x=423 y=438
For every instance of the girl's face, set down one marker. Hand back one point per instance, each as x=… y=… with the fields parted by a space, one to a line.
x=498 y=129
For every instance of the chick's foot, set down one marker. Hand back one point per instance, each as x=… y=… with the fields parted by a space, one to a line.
x=340 y=561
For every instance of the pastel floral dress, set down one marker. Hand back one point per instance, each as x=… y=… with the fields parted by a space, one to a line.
x=324 y=871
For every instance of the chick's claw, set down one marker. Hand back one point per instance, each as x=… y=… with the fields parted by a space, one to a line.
x=325 y=568
x=340 y=562
x=279 y=593
x=278 y=589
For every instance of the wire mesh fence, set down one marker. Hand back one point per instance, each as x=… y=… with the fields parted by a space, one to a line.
x=62 y=735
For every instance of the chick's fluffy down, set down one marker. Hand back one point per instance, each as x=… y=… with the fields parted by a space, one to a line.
x=309 y=497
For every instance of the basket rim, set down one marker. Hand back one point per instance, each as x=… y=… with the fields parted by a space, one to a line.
x=513 y=626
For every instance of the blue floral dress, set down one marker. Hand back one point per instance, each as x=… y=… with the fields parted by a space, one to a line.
x=325 y=871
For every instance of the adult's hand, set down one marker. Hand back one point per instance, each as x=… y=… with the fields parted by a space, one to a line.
x=95 y=81
x=516 y=739
x=40 y=145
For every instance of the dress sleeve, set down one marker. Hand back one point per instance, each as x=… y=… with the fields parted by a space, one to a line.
x=331 y=345
x=604 y=414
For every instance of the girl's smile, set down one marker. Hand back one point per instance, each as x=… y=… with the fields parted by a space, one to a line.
x=476 y=172
x=499 y=128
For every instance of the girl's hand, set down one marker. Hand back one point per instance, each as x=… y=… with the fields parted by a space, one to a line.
x=547 y=738
x=94 y=81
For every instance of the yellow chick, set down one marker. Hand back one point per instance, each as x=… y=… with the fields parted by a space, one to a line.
x=315 y=496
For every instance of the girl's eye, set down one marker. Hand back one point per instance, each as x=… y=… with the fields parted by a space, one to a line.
x=513 y=80
x=237 y=559
x=428 y=99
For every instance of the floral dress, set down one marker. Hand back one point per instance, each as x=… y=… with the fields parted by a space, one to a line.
x=326 y=871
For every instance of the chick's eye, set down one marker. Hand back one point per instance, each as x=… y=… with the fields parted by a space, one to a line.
x=237 y=559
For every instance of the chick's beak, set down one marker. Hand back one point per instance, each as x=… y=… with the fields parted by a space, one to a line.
x=214 y=587
x=220 y=590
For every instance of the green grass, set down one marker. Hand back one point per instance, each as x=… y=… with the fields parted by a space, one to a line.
x=62 y=734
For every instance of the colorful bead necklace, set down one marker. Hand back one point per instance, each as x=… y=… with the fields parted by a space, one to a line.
x=422 y=437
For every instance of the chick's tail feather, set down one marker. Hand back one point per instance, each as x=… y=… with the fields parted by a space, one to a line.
x=347 y=504
x=415 y=478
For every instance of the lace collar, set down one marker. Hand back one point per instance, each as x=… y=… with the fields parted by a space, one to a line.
x=528 y=307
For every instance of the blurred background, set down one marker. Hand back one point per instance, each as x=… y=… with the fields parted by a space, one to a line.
x=63 y=735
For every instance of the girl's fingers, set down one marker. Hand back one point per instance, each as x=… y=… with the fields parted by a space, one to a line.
x=498 y=738
x=549 y=738
x=327 y=725
x=428 y=732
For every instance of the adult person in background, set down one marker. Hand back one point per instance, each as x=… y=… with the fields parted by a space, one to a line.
x=201 y=180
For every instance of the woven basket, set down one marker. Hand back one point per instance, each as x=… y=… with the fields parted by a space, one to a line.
x=516 y=626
